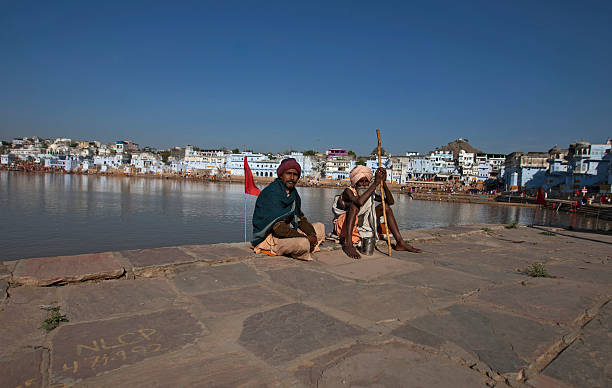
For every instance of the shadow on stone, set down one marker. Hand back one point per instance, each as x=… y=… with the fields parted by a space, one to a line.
x=386 y=365
x=505 y=342
x=286 y=332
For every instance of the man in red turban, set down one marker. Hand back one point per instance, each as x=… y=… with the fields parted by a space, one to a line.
x=279 y=226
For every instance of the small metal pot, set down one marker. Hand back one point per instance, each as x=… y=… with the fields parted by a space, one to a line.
x=367 y=245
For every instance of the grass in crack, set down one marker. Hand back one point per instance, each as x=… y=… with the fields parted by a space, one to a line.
x=548 y=233
x=536 y=270
x=54 y=319
x=513 y=225
x=486 y=229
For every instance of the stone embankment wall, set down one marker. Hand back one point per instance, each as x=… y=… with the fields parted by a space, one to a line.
x=462 y=313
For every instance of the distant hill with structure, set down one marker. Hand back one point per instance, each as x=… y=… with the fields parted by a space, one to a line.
x=457 y=145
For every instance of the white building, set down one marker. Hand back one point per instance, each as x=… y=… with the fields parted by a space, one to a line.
x=587 y=165
x=146 y=162
x=307 y=162
x=234 y=163
x=64 y=162
x=264 y=168
x=372 y=164
x=443 y=165
x=211 y=162
x=115 y=161
x=7 y=159
x=338 y=167
x=26 y=152
x=466 y=162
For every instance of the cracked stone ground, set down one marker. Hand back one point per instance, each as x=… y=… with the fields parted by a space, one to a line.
x=459 y=314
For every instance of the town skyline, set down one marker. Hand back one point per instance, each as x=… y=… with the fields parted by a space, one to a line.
x=243 y=147
x=564 y=169
x=279 y=76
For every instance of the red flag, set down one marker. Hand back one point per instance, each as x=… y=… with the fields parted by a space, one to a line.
x=540 y=200
x=249 y=185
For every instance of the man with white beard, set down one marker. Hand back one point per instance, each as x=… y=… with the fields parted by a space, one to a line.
x=358 y=204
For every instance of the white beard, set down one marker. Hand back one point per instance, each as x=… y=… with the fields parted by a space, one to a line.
x=361 y=190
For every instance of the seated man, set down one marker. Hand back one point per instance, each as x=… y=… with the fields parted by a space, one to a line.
x=279 y=226
x=358 y=203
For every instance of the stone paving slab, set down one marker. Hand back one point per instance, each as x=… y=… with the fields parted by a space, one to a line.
x=543 y=381
x=198 y=278
x=335 y=257
x=506 y=261
x=361 y=365
x=5 y=270
x=286 y=332
x=23 y=370
x=87 y=349
x=505 y=342
x=264 y=263
x=22 y=317
x=89 y=302
x=4 y=285
x=372 y=268
x=385 y=301
x=489 y=272
x=241 y=299
x=588 y=361
x=142 y=259
x=583 y=272
x=195 y=368
x=215 y=253
x=552 y=300
x=444 y=279
x=308 y=282
x=416 y=235
x=67 y=269
x=584 y=237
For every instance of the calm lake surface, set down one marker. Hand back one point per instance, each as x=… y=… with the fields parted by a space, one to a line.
x=55 y=214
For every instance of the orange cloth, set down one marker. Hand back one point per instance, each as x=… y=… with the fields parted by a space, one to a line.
x=338 y=225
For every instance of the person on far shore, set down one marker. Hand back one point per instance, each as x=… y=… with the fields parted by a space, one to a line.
x=357 y=202
x=279 y=226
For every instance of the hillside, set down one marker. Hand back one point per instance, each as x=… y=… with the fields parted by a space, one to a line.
x=457 y=145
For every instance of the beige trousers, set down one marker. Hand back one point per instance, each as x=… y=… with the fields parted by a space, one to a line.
x=296 y=247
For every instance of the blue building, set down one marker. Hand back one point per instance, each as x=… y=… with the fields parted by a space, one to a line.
x=372 y=164
x=587 y=165
x=525 y=171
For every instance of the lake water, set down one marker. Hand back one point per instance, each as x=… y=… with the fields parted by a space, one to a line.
x=55 y=214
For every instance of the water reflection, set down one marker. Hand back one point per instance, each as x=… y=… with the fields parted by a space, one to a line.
x=48 y=214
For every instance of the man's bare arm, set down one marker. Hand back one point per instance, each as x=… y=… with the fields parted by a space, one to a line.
x=349 y=197
x=388 y=196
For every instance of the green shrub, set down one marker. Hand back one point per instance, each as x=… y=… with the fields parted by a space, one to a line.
x=54 y=319
x=513 y=225
x=536 y=270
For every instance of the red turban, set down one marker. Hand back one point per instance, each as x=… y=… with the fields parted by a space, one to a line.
x=288 y=164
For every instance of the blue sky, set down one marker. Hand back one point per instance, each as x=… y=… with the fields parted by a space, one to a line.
x=507 y=75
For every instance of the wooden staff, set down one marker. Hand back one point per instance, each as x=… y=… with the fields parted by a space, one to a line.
x=382 y=194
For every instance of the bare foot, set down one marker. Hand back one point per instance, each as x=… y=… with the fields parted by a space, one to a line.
x=406 y=247
x=351 y=251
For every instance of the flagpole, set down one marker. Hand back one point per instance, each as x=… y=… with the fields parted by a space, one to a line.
x=382 y=195
x=249 y=188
